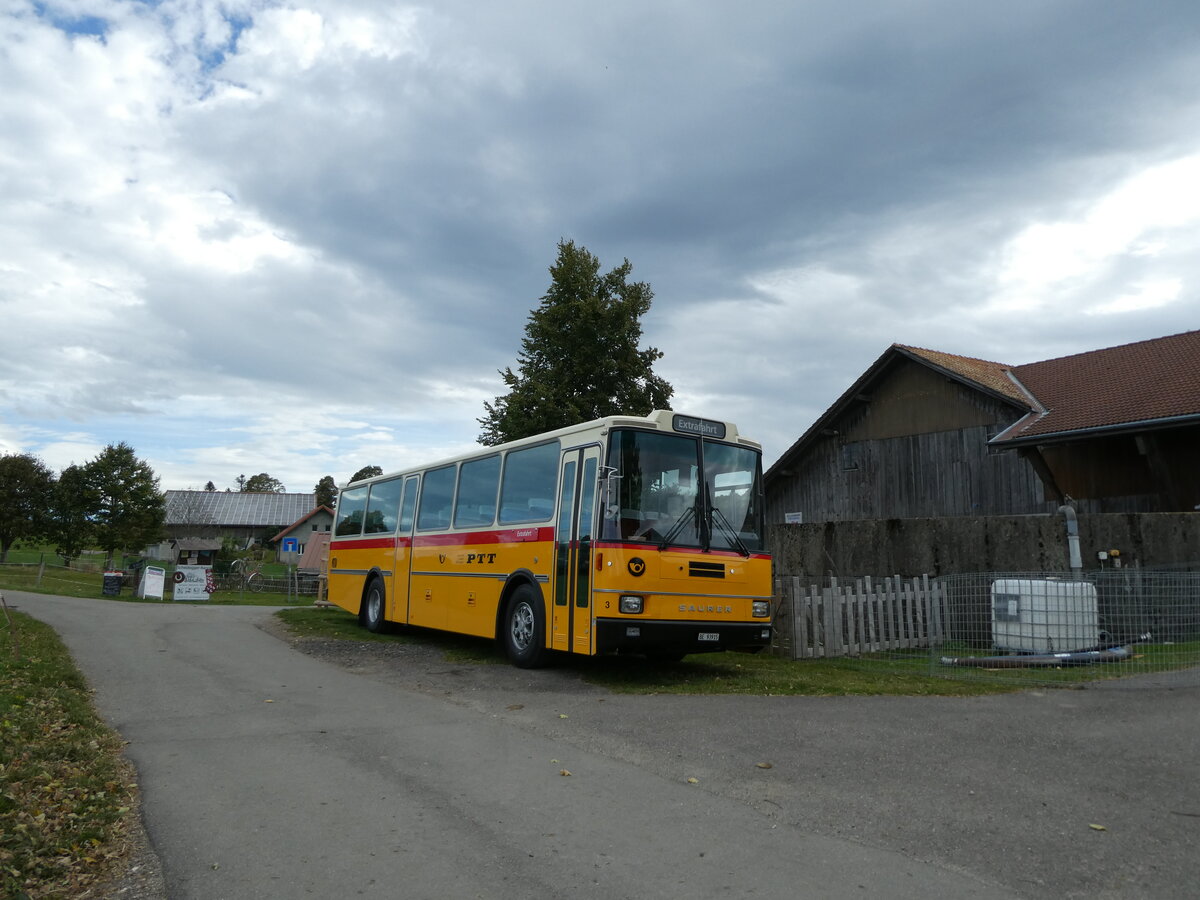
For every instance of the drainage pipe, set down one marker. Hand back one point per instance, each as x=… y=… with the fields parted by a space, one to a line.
x=1073 y=540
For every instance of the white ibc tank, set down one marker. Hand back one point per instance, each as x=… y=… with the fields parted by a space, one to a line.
x=1044 y=616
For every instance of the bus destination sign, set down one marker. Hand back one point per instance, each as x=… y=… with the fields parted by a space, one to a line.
x=703 y=427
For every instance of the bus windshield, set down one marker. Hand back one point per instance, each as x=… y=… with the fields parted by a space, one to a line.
x=663 y=489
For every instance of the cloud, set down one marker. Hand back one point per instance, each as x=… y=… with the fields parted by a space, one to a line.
x=300 y=238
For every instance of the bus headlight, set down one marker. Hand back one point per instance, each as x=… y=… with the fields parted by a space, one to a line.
x=760 y=609
x=631 y=603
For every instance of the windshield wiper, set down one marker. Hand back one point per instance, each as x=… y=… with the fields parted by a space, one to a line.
x=719 y=518
x=684 y=518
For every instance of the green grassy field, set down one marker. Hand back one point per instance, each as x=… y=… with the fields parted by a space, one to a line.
x=66 y=794
x=76 y=583
x=704 y=673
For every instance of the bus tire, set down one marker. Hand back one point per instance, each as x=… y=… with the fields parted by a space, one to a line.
x=372 y=608
x=525 y=629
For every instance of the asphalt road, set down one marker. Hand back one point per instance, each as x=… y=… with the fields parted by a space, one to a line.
x=382 y=771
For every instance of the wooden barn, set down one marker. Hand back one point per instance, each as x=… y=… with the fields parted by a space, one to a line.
x=928 y=434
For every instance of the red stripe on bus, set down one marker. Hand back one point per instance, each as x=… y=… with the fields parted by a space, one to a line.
x=365 y=543
x=648 y=545
x=466 y=538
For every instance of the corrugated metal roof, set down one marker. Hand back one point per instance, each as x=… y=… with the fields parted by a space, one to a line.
x=236 y=509
x=1145 y=382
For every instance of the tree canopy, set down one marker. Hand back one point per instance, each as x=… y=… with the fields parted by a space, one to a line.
x=326 y=491
x=366 y=472
x=25 y=496
x=74 y=500
x=580 y=358
x=262 y=483
x=130 y=509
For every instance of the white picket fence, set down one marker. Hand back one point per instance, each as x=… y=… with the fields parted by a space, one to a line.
x=853 y=617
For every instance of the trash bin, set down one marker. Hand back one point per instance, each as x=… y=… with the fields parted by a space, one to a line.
x=112 y=583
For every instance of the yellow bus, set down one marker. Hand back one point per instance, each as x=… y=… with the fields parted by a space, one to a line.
x=626 y=534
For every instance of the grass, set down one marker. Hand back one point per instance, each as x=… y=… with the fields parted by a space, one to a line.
x=74 y=583
x=65 y=792
x=704 y=673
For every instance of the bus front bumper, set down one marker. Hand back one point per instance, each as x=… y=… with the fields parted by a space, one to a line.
x=640 y=635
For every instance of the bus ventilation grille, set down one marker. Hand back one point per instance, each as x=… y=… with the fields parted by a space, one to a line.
x=706 y=570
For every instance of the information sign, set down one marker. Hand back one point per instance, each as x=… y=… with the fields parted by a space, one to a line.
x=193 y=583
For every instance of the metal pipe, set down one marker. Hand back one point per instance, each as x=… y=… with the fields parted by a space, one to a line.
x=1072 y=540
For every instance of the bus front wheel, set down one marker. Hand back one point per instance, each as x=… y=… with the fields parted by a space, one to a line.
x=525 y=629
x=372 y=608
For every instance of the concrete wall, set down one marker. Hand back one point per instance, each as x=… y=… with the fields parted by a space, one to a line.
x=944 y=546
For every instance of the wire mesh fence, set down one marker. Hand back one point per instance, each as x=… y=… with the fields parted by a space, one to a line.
x=1022 y=627
x=82 y=580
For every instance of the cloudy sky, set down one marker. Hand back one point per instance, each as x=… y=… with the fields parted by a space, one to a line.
x=300 y=238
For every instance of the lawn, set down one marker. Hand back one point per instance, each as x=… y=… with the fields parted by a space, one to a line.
x=75 y=583
x=704 y=673
x=65 y=792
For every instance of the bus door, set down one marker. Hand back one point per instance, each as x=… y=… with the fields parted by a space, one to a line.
x=571 y=627
x=403 y=566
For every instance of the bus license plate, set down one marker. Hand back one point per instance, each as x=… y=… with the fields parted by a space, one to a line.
x=708 y=636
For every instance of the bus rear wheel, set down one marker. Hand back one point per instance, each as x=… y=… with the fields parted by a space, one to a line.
x=372 y=608
x=525 y=629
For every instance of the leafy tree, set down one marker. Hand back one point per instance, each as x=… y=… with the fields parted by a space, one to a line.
x=326 y=491
x=25 y=488
x=579 y=358
x=262 y=483
x=210 y=487
x=130 y=508
x=366 y=472
x=73 y=503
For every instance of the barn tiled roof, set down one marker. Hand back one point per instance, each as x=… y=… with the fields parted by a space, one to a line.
x=1147 y=382
x=991 y=375
x=245 y=510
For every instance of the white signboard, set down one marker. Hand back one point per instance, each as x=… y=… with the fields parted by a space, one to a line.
x=153 y=579
x=793 y=518
x=193 y=583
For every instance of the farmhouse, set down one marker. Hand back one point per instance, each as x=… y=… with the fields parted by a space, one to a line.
x=315 y=525
x=202 y=520
x=924 y=433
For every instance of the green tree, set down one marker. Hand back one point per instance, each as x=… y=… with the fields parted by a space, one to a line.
x=326 y=491
x=210 y=487
x=74 y=501
x=366 y=472
x=262 y=483
x=25 y=488
x=579 y=358
x=130 y=508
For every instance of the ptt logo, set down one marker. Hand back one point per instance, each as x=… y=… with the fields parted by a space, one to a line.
x=636 y=566
x=481 y=558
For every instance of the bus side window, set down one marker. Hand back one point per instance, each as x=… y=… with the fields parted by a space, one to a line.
x=477 y=483
x=530 y=477
x=382 y=507
x=436 y=498
x=408 y=505
x=350 y=509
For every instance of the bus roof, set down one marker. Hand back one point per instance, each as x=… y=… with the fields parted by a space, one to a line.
x=659 y=420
